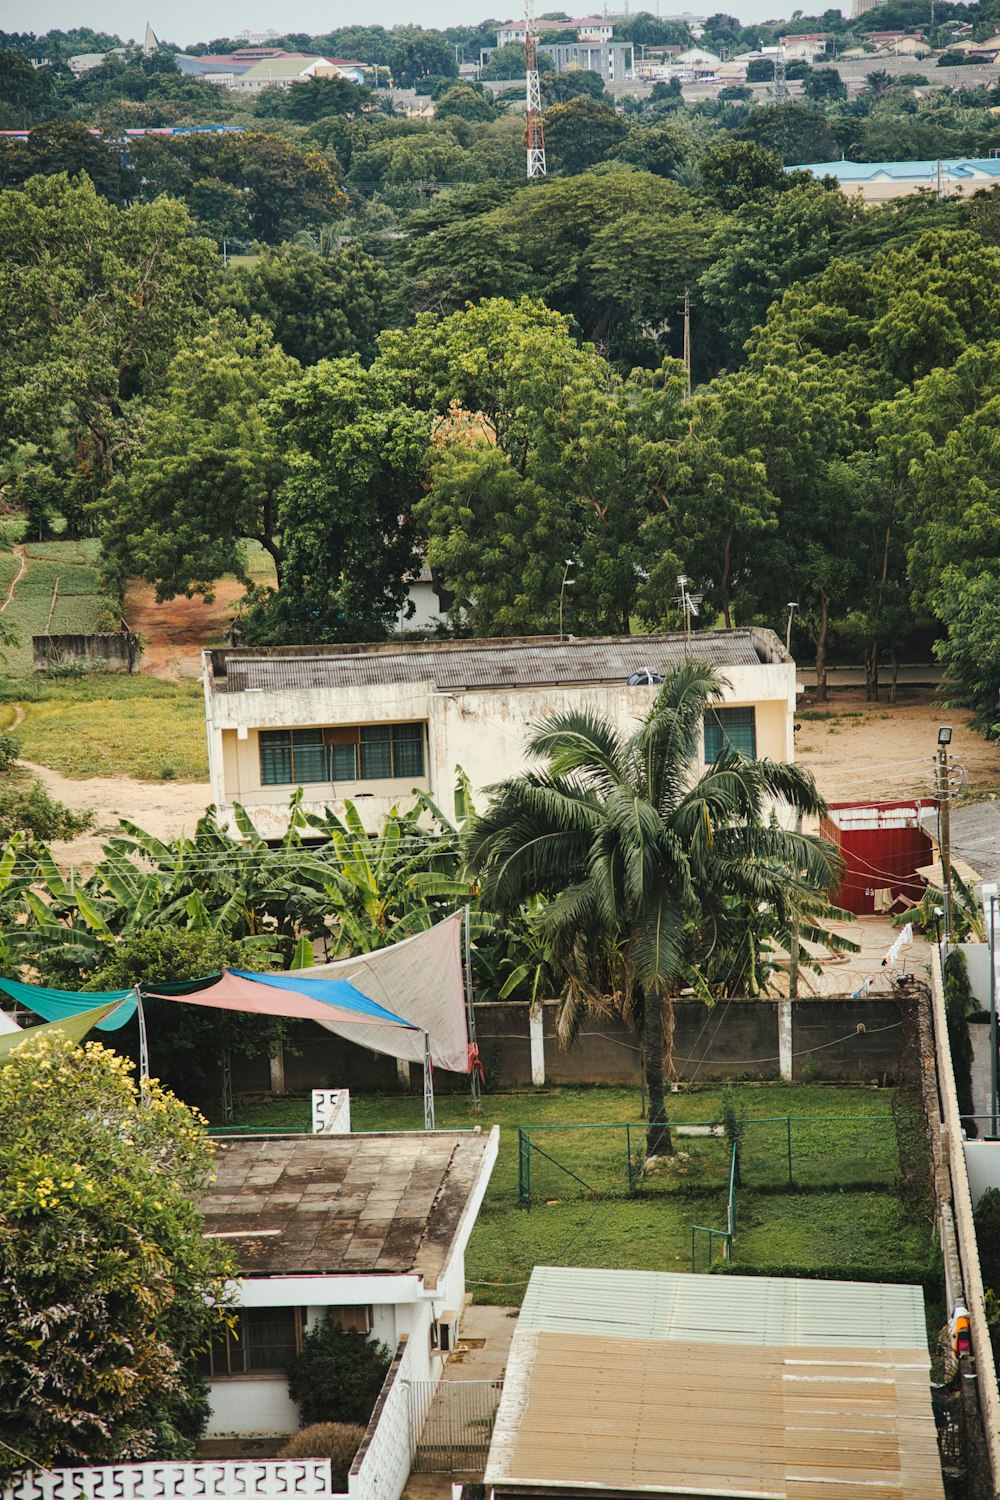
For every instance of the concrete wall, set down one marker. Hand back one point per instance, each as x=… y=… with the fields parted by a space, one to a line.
x=117 y=652
x=484 y=732
x=735 y=1039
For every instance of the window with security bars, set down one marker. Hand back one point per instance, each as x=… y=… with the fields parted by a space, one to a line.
x=734 y=728
x=261 y=1341
x=371 y=752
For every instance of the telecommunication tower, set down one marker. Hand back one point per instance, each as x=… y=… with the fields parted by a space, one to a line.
x=533 y=95
x=781 y=94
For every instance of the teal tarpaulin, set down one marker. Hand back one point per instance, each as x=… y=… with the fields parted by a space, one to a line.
x=59 y=1005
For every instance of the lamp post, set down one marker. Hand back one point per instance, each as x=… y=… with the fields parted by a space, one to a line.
x=989 y=893
x=567 y=583
x=792 y=606
x=944 y=816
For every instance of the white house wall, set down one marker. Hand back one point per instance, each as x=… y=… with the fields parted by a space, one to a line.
x=483 y=731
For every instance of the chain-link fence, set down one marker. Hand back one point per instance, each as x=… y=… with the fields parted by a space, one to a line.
x=783 y=1152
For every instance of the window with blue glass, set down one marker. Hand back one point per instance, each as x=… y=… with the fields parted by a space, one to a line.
x=734 y=728
x=369 y=752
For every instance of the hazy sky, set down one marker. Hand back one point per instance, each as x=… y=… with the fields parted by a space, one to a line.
x=186 y=21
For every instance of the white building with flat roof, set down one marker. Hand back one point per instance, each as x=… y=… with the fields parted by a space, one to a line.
x=377 y=723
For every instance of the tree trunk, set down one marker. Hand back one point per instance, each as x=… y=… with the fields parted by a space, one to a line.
x=658 y=1142
x=871 y=672
x=821 y=635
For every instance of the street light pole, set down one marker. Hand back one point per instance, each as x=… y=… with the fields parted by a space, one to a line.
x=792 y=607
x=567 y=583
x=989 y=893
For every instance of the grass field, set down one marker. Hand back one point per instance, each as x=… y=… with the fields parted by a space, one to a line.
x=843 y=1212
x=108 y=725
x=80 y=607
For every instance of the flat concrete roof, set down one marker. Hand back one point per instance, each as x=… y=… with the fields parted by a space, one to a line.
x=718 y=1386
x=352 y=1204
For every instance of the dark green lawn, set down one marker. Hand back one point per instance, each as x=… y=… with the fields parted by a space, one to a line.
x=842 y=1211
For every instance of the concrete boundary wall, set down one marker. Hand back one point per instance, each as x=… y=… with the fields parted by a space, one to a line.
x=843 y=1040
x=965 y=1229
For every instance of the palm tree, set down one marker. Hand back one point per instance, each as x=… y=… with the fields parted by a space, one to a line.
x=649 y=872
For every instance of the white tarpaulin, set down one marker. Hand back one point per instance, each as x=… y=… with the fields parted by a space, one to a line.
x=420 y=978
x=7 y=1023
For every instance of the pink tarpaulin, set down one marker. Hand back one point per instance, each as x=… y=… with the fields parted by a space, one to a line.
x=232 y=992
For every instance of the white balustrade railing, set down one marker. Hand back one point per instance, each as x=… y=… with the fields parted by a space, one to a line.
x=237 y=1479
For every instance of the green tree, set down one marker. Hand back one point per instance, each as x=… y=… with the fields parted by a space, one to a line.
x=320 y=306
x=646 y=872
x=557 y=88
x=62 y=147
x=287 y=186
x=738 y=172
x=25 y=91
x=765 y=246
x=211 y=466
x=96 y=301
x=971 y=651
x=508 y=62
x=314 y=100
x=540 y=459
x=108 y=1287
x=794 y=132
x=580 y=133
x=665 y=149
x=823 y=85
x=358 y=455
x=462 y=102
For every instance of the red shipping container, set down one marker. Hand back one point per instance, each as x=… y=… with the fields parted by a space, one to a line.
x=883 y=846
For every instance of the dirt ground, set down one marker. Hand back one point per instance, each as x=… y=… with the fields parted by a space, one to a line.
x=886 y=751
x=175 y=633
x=163 y=808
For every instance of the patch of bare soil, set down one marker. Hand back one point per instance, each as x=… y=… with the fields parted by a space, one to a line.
x=165 y=809
x=175 y=633
x=857 y=749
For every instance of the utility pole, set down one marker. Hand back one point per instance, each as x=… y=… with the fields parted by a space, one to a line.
x=533 y=96
x=793 y=949
x=944 y=814
x=687 y=349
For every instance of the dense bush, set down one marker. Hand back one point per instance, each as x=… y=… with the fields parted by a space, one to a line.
x=338 y=1375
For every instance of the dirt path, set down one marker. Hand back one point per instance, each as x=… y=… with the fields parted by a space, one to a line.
x=22 y=567
x=175 y=633
x=165 y=809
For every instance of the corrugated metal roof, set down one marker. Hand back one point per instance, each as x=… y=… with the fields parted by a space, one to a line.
x=483 y=664
x=757 y=1387
x=762 y=1310
x=924 y=171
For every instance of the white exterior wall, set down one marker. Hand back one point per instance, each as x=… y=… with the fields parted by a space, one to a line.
x=484 y=732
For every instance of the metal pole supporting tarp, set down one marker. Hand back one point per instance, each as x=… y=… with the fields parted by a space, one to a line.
x=470 y=1010
x=143 y=1046
x=428 y=1084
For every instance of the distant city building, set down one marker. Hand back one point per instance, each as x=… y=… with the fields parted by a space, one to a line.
x=251 y=69
x=590 y=28
x=862 y=7
x=257 y=38
x=609 y=60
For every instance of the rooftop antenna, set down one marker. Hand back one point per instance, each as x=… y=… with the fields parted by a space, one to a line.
x=688 y=602
x=533 y=96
